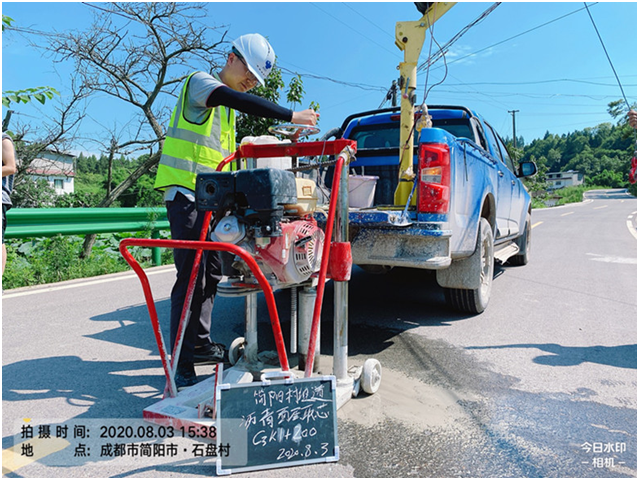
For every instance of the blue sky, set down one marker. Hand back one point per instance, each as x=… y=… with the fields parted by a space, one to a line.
x=556 y=75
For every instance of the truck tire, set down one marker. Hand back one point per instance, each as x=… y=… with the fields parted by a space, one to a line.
x=523 y=242
x=475 y=301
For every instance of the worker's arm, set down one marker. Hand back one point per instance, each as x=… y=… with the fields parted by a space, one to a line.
x=254 y=105
x=247 y=103
x=8 y=158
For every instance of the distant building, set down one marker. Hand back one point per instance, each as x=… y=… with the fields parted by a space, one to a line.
x=58 y=169
x=558 y=180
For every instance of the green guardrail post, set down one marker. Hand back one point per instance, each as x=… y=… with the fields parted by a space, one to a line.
x=157 y=252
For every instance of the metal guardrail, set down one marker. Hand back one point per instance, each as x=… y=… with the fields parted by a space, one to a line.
x=47 y=222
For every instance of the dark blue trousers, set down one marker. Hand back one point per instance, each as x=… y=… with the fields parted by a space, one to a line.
x=186 y=224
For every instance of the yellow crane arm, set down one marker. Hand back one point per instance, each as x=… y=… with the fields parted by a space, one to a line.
x=409 y=37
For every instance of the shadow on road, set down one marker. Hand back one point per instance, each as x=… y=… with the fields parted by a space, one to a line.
x=622 y=356
x=400 y=300
x=83 y=383
x=135 y=328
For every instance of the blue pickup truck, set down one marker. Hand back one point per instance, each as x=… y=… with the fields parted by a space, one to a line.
x=469 y=207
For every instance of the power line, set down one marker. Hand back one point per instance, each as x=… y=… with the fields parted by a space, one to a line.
x=361 y=86
x=533 y=95
x=369 y=21
x=350 y=27
x=608 y=56
x=519 y=35
x=538 y=82
x=442 y=51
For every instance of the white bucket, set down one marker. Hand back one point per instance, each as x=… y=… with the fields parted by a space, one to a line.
x=361 y=191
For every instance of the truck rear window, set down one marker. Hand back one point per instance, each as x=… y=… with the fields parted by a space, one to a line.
x=386 y=135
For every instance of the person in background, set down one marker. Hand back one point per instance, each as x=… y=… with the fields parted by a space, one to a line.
x=8 y=172
x=200 y=135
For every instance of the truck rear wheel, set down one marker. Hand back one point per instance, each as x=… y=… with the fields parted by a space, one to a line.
x=476 y=300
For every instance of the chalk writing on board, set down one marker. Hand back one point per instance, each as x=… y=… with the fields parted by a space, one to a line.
x=279 y=423
x=273 y=418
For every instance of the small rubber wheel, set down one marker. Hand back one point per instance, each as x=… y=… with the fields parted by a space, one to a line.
x=236 y=350
x=371 y=376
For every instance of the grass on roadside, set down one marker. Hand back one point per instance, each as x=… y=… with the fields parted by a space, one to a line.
x=563 y=196
x=40 y=261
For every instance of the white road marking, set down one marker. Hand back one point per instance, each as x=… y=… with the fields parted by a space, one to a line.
x=631 y=227
x=610 y=259
x=80 y=283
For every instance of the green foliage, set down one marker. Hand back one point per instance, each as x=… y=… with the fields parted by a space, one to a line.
x=91 y=183
x=609 y=179
x=28 y=193
x=41 y=94
x=251 y=125
x=49 y=260
x=537 y=185
x=573 y=194
x=295 y=92
x=6 y=21
x=602 y=153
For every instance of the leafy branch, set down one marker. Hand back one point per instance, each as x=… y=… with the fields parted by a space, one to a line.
x=41 y=94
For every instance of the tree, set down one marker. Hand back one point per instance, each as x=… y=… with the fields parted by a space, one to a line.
x=250 y=125
x=537 y=185
x=54 y=135
x=139 y=53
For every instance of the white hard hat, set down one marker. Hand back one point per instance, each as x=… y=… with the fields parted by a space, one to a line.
x=257 y=53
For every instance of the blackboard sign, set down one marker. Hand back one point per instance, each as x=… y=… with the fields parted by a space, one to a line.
x=272 y=424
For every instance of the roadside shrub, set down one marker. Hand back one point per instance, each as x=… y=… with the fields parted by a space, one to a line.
x=49 y=260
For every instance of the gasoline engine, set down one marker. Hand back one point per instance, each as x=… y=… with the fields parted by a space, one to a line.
x=259 y=211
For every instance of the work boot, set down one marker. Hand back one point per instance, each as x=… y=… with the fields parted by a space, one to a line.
x=185 y=376
x=210 y=354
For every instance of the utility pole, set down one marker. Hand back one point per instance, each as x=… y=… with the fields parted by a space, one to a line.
x=394 y=93
x=514 y=132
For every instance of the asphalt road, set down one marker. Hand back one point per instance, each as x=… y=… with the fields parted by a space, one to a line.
x=542 y=384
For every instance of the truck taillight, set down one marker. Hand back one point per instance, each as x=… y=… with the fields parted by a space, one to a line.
x=434 y=178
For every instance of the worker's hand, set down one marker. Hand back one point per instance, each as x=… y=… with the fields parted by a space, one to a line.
x=305 y=117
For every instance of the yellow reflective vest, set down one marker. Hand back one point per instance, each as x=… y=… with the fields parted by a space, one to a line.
x=190 y=149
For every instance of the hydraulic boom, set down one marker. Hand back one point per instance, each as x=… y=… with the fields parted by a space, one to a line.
x=409 y=37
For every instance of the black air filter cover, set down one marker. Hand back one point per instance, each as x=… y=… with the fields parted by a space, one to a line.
x=261 y=189
x=266 y=188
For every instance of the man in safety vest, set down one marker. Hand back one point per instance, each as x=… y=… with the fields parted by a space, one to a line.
x=201 y=133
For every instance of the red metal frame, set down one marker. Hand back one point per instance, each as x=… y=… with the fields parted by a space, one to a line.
x=198 y=245
x=334 y=147
x=306 y=149
x=317 y=312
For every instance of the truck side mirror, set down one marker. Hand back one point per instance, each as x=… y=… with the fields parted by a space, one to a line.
x=527 y=169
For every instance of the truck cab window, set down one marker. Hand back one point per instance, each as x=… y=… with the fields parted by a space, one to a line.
x=479 y=134
x=505 y=155
x=494 y=145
